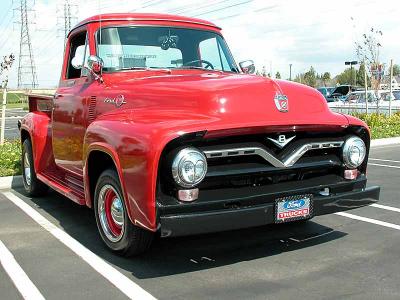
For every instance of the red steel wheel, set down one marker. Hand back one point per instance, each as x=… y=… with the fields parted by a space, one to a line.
x=111 y=213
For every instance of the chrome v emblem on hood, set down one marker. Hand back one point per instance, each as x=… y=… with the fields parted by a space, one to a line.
x=282 y=141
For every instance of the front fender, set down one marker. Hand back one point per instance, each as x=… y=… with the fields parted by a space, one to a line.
x=136 y=150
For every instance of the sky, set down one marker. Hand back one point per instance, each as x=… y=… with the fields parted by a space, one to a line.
x=274 y=33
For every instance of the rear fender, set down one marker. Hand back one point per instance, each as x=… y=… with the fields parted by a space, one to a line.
x=38 y=126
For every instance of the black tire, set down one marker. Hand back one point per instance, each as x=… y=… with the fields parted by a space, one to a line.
x=133 y=240
x=33 y=186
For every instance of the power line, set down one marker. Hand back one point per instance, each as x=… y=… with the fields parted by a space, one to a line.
x=27 y=76
x=223 y=8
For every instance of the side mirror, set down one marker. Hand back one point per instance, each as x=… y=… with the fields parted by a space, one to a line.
x=95 y=65
x=247 y=67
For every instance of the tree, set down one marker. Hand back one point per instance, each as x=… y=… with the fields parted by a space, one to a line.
x=396 y=70
x=346 y=77
x=367 y=51
x=326 y=77
x=264 y=71
x=278 y=75
x=310 y=77
x=360 y=76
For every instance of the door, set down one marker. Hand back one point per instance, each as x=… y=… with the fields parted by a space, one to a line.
x=70 y=105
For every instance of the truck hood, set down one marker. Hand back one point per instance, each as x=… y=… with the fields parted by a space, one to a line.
x=212 y=100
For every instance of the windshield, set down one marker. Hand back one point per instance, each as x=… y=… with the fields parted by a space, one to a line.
x=129 y=48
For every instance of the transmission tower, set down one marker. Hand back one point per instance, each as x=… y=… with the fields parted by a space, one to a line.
x=67 y=17
x=26 y=65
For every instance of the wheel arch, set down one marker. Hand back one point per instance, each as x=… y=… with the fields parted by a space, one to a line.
x=109 y=160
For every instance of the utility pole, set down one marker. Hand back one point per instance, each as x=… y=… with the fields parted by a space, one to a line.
x=26 y=66
x=391 y=87
x=290 y=72
x=366 y=86
x=5 y=68
x=67 y=17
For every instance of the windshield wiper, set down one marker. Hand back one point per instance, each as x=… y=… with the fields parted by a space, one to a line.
x=195 y=67
x=146 y=69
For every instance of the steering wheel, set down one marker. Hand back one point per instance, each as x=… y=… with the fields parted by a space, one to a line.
x=202 y=61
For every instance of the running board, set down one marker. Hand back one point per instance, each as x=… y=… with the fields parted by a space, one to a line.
x=63 y=184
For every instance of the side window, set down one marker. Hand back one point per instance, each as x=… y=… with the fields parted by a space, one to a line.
x=209 y=50
x=77 y=56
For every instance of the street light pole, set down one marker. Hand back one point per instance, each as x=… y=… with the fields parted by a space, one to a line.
x=352 y=63
x=290 y=72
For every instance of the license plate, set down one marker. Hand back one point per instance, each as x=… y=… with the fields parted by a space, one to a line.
x=293 y=208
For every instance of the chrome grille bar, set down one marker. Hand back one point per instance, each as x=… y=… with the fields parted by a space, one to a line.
x=271 y=158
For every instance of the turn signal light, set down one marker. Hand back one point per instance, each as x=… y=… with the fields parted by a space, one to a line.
x=351 y=174
x=188 y=195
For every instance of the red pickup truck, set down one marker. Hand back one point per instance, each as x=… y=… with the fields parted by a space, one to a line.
x=157 y=128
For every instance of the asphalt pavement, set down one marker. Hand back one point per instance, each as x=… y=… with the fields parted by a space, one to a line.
x=351 y=256
x=12 y=116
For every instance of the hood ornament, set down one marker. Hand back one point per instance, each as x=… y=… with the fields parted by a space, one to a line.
x=282 y=141
x=117 y=101
x=281 y=102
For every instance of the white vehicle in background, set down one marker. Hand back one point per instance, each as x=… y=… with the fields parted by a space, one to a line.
x=358 y=97
x=386 y=96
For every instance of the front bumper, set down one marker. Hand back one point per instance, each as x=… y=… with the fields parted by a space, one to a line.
x=197 y=222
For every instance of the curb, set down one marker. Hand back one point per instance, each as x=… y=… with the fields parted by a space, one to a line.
x=11 y=182
x=385 y=142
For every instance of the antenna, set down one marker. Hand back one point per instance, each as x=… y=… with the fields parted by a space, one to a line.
x=26 y=66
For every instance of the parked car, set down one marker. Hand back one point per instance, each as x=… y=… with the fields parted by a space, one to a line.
x=340 y=93
x=157 y=129
x=385 y=95
x=359 y=97
x=326 y=91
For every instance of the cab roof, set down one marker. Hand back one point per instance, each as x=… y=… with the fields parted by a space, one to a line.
x=145 y=17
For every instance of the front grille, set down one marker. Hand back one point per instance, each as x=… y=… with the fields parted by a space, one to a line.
x=253 y=161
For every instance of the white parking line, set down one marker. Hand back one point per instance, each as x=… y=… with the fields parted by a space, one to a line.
x=123 y=283
x=21 y=281
x=387 y=160
x=387 y=166
x=368 y=220
x=386 y=207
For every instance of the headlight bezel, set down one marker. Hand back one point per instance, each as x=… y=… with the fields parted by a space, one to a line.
x=189 y=154
x=348 y=147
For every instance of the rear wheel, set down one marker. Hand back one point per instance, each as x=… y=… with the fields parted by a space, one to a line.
x=33 y=186
x=115 y=227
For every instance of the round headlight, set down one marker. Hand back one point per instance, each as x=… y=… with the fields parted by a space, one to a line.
x=189 y=167
x=354 y=152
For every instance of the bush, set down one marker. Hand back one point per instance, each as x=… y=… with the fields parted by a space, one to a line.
x=382 y=126
x=10 y=158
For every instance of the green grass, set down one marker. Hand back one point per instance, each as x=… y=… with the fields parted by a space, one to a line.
x=17 y=105
x=15 y=100
x=10 y=158
x=382 y=126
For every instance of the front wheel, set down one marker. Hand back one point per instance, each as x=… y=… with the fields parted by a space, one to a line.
x=113 y=223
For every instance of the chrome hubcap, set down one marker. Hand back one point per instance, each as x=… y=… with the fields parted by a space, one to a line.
x=117 y=212
x=111 y=213
x=27 y=169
